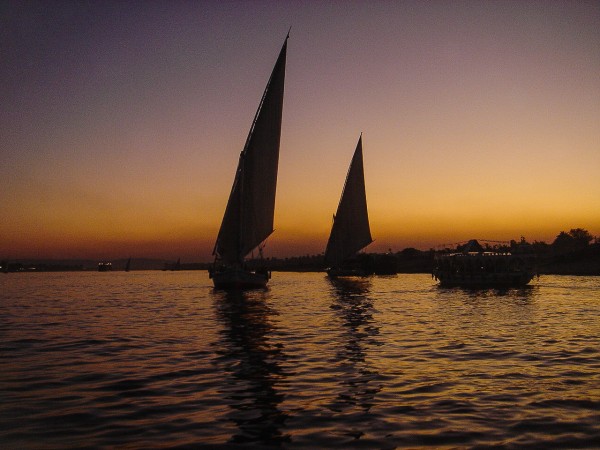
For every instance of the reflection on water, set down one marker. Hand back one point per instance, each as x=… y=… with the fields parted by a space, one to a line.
x=359 y=379
x=252 y=365
x=161 y=360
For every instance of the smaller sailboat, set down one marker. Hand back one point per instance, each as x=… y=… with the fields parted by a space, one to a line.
x=128 y=265
x=350 y=231
x=248 y=218
x=173 y=266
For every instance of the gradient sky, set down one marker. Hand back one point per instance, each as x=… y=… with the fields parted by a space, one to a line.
x=122 y=122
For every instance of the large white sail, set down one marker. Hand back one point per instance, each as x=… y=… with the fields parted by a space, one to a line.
x=350 y=231
x=248 y=218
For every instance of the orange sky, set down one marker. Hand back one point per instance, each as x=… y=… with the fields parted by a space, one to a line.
x=122 y=124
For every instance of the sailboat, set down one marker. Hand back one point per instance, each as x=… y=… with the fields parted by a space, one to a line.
x=248 y=218
x=350 y=231
x=128 y=265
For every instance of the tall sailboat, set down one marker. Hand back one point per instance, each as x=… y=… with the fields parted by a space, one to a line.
x=350 y=231
x=248 y=218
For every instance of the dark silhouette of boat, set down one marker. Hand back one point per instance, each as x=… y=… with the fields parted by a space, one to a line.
x=104 y=267
x=248 y=218
x=350 y=231
x=475 y=268
x=128 y=265
x=173 y=266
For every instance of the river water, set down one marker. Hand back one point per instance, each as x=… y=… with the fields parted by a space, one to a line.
x=160 y=359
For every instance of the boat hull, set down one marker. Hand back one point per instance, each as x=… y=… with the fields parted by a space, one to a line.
x=479 y=281
x=338 y=273
x=484 y=269
x=239 y=278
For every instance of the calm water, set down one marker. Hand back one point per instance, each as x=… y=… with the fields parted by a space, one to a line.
x=160 y=359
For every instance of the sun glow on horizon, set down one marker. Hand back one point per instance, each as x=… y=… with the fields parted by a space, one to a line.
x=121 y=134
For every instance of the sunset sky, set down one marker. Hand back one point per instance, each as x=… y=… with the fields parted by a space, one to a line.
x=122 y=122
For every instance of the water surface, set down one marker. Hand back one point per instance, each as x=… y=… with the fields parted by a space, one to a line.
x=161 y=359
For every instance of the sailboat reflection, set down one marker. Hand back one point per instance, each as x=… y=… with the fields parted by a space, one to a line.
x=360 y=380
x=252 y=367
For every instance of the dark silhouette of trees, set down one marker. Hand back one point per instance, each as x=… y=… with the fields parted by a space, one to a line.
x=574 y=240
x=581 y=237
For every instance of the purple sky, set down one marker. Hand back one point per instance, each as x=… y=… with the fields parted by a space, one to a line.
x=122 y=121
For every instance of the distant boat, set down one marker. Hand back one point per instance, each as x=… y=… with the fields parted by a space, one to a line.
x=104 y=267
x=248 y=218
x=350 y=231
x=173 y=266
x=475 y=268
x=128 y=265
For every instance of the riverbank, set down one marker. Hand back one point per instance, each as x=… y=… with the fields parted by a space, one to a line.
x=582 y=262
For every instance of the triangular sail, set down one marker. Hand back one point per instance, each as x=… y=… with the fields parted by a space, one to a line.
x=350 y=231
x=248 y=218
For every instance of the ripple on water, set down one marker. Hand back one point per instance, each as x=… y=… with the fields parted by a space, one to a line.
x=160 y=359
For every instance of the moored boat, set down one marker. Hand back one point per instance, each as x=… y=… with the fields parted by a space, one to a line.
x=484 y=269
x=104 y=267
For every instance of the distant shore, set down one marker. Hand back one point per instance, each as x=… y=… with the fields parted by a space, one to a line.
x=585 y=261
